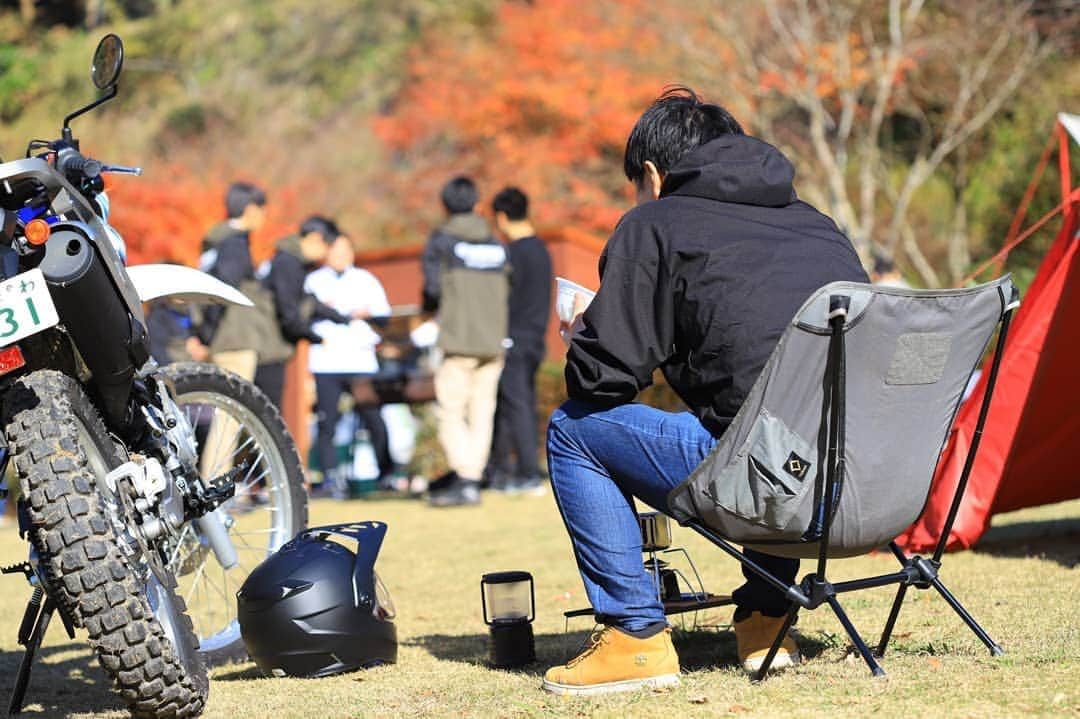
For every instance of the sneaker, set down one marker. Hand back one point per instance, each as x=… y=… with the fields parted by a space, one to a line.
x=527 y=485
x=443 y=481
x=460 y=493
x=615 y=661
x=754 y=636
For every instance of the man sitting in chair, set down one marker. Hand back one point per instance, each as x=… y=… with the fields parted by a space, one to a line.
x=699 y=280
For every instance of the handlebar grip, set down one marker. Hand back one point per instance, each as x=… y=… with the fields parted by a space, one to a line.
x=69 y=162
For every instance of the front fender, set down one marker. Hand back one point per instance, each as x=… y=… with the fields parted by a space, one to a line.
x=183 y=283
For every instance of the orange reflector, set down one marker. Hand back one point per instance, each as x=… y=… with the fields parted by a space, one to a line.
x=37 y=232
x=11 y=358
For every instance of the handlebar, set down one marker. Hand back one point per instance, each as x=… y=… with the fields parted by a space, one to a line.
x=70 y=162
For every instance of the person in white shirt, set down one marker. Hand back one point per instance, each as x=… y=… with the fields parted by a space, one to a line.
x=346 y=354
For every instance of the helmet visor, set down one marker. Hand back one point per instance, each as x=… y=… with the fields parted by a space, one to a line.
x=383 y=608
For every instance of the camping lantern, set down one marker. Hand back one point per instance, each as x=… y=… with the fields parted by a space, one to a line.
x=655 y=531
x=509 y=605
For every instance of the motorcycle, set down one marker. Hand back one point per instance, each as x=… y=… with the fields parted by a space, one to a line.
x=146 y=493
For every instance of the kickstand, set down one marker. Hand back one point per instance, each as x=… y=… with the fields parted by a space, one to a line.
x=35 y=622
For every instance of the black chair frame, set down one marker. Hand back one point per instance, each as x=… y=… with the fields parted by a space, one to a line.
x=915 y=570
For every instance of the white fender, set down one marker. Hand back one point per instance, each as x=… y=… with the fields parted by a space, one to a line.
x=184 y=283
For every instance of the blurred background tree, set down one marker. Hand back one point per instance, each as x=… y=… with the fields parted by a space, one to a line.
x=542 y=97
x=874 y=99
x=916 y=125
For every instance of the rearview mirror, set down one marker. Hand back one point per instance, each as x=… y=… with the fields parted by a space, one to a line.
x=108 y=59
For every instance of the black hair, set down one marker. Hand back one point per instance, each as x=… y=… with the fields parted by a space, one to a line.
x=883 y=265
x=677 y=122
x=459 y=195
x=512 y=202
x=323 y=225
x=239 y=196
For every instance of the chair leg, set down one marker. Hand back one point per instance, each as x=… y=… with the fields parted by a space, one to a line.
x=887 y=633
x=793 y=611
x=993 y=646
x=864 y=650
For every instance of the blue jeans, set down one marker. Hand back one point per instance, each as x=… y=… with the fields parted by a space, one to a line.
x=600 y=459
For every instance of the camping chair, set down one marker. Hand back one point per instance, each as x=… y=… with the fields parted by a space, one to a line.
x=833 y=452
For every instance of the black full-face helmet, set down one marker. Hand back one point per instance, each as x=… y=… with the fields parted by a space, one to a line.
x=316 y=608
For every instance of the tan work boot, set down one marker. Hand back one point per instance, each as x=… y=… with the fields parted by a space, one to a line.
x=755 y=634
x=617 y=662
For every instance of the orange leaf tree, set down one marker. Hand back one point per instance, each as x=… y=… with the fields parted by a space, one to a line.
x=542 y=97
x=164 y=215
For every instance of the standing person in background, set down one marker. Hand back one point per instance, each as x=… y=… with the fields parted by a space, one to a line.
x=346 y=355
x=296 y=310
x=227 y=335
x=530 y=303
x=466 y=286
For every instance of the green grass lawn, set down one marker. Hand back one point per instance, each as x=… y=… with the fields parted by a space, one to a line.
x=1022 y=585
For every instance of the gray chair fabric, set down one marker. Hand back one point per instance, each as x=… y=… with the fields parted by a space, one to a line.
x=909 y=355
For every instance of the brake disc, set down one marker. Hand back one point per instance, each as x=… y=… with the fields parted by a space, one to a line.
x=148 y=555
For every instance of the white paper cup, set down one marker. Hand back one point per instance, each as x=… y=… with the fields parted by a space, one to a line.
x=564 y=298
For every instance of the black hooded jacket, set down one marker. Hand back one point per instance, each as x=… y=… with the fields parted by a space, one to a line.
x=702 y=282
x=296 y=309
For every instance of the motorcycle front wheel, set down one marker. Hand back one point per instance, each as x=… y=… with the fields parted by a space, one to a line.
x=100 y=577
x=234 y=423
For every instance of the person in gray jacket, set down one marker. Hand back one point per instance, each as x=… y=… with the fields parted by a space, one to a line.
x=466 y=286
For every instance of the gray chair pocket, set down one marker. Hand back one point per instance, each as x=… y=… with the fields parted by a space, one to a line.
x=768 y=478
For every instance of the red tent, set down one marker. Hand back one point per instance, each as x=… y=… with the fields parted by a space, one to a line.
x=1025 y=457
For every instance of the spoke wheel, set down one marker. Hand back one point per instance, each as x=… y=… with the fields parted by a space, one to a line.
x=234 y=422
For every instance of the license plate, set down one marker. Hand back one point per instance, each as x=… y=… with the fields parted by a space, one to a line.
x=26 y=307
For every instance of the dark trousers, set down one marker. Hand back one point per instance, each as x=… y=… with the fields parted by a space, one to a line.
x=515 y=416
x=328 y=391
x=270 y=378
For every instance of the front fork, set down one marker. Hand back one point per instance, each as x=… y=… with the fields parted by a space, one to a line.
x=212 y=524
x=212 y=528
x=202 y=498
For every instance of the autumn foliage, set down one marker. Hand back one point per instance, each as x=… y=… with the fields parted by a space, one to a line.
x=164 y=215
x=543 y=98
x=870 y=100
x=164 y=218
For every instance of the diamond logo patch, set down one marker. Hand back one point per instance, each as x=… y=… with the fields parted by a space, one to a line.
x=796 y=466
